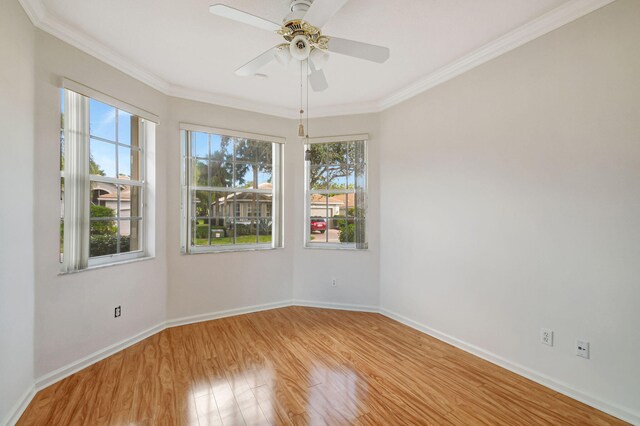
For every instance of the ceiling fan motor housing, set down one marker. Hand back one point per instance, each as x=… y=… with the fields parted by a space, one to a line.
x=300 y=48
x=298 y=10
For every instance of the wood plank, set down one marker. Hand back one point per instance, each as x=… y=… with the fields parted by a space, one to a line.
x=299 y=366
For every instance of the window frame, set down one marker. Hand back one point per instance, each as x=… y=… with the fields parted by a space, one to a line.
x=144 y=134
x=308 y=243
x=277 y=211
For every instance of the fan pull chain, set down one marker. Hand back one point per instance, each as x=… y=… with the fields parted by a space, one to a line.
x=301 y=132
x=307 y=79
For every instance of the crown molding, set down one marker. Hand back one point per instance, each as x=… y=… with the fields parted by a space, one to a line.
x=546 y=23
x=230 y=102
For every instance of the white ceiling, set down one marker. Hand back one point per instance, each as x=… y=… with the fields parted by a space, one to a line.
x=181 y=49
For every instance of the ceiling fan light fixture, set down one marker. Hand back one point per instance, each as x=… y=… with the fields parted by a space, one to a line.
x=319 y=58
x=283 y=55
x=299 y=48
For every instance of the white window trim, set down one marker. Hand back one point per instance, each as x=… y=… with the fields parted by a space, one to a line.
x=115 y=258
x=277 y=241
x=74 y=86
x=308 y=243
x=146 y=133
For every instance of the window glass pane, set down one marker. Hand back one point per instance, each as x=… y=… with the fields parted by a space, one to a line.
x=103 y=237
x=245 y=204
x=246 y=230
x=265 y=207
x=200 y=145
x=246 y=175
x=130 y=235
x=221 y=148
x=61 y=239
x=333 y=167
x=124 y=162
x=246 y=150
x=200 y=172
x=102 y=158
x=222 y=204
x=221 y=231
x=201 y=203
x=115 y=208
x=124 y=127
x=265 y=153
x=351 y=177
x=318 y=154
x=350 y=205
x=104 y=199
x=235 y=216
x=102 y=120
x=265 y=176
x=335 y=153
x=128 y=163
x=337 y=177
x=130 y=201
x=200 y=232
x=220 y=174
x=318 y=177
x=265 y=230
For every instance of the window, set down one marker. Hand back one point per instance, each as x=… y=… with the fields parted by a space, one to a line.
x=335 y=199
x=231 y=190
x=102 y=167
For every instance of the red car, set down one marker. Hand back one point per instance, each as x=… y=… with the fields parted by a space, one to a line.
x=318 y=224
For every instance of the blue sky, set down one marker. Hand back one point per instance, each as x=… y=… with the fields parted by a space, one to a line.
x=102 y=124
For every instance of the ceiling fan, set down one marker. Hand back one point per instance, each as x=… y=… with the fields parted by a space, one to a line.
x=301 y=29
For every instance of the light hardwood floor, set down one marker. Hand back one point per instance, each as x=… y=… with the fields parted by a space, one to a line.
x=300 y=366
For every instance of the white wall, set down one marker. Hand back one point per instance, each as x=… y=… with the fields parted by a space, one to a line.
x=500 y=202
x=356 y=271
x=74 y=312
x=524 y=181
x=16 y=214
x=212 y=282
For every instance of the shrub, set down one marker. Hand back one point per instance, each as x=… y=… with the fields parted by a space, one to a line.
x=201 y=231
x=245 y=229
x=347 y=232
x=101 y=245
x=102 y=227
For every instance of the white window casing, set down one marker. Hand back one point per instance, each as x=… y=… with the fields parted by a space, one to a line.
x=188 y=188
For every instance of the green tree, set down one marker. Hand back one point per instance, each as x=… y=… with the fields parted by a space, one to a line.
x=329 y=162
x=94 y=168
x=102 y=227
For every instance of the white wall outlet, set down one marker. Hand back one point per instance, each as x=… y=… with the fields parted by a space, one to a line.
x=333 y=282
x=582 y=349
x=546 y=336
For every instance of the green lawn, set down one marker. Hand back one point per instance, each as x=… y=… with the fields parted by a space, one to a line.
x=244 y=239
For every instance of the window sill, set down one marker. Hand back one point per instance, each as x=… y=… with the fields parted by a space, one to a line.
x=234 y=249
x=329 y=246
x=108 y=265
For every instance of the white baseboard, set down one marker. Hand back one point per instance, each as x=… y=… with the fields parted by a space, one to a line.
x=607 y=407
x=63 y=372
x=338 y=306
x=14 y=415
x=226 y=313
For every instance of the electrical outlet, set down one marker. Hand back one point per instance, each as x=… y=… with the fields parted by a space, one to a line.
x=546 y=336
x=117 y=312
x=582 y=349
x=334 y=282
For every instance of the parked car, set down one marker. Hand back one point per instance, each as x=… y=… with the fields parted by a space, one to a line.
x=318 y=224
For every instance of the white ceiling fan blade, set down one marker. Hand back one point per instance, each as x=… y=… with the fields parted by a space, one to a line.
x=369 y=52
x=317 y=79
x=244 y=17
x=252 y=67
x=321 y=11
